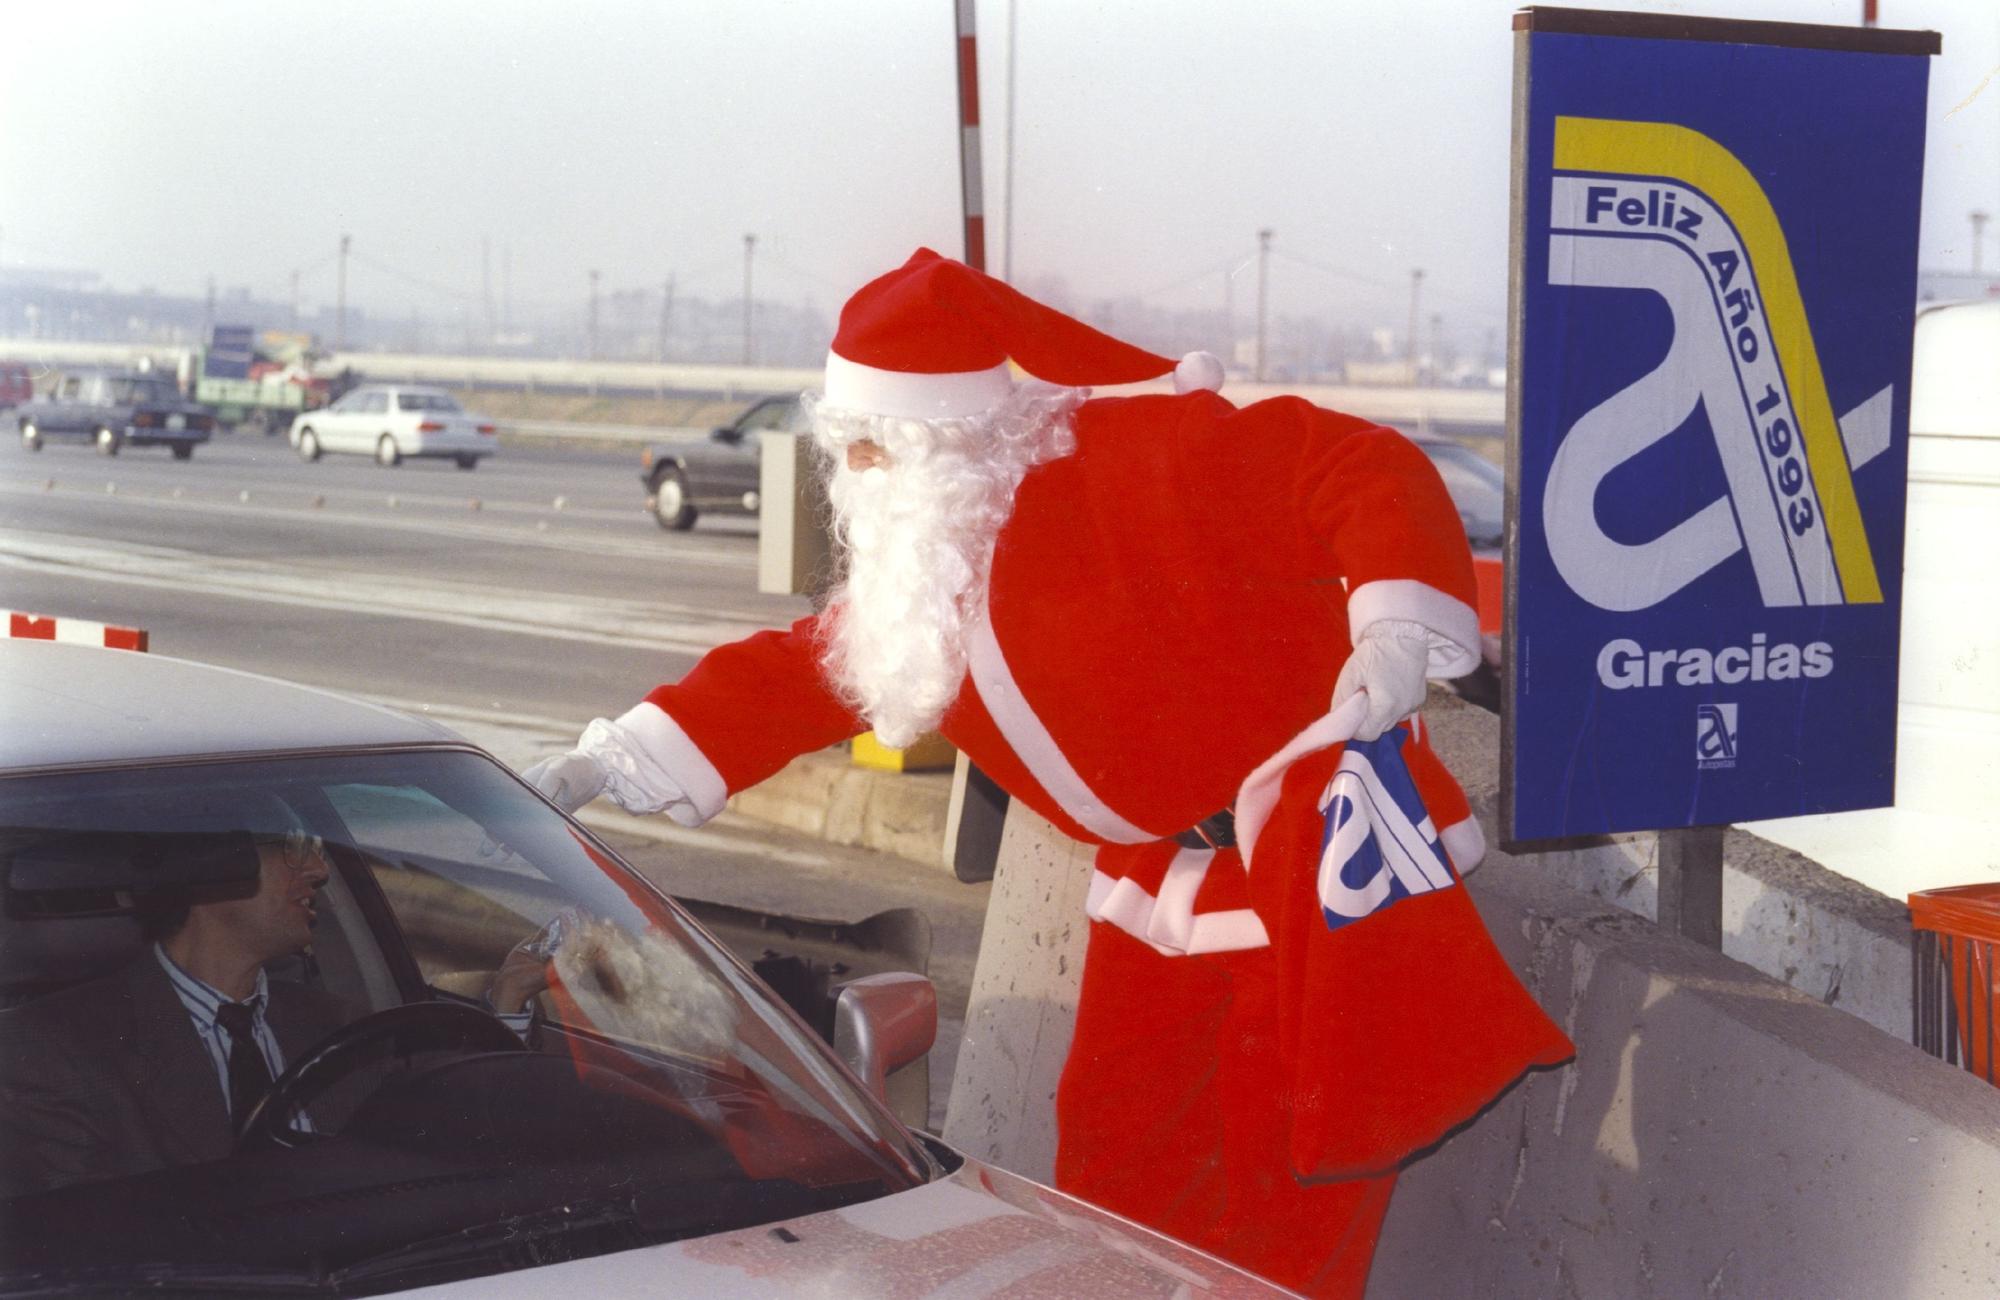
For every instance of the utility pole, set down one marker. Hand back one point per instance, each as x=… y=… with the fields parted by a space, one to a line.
x=666 y=317
x=971 y=174
x=1263 y=300
x=1416 y=285
x=208 y=312
x=1437 y=345
x=749 y=249
x=593 y=315
x=506 y=288
x=295 y=299
x=1979 y=220
x=486 y=286
x=1007 y=248
x=340 y=300
x=1229 y=314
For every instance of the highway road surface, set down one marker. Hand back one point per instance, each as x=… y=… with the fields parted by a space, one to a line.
x=513 y=603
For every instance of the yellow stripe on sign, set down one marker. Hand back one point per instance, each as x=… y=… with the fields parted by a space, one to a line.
x=1589 y=144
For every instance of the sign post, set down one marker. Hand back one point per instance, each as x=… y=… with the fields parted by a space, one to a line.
x=1712 y=294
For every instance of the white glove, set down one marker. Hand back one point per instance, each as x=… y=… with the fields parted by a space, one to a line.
x=569 y=781
x=1388 y=666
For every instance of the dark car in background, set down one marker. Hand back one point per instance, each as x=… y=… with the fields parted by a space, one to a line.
x=114 y=410
x=718 y=474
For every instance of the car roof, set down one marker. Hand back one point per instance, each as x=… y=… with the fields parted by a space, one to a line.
x=64 y=705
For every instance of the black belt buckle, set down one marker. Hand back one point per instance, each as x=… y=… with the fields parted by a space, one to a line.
x=1215 y=831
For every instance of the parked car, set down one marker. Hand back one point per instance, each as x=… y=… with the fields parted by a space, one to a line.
x=17 y=385
x=393 y=423
x=718 y=474
x=1479 y=489
x=115 y=410
x=665 y=1126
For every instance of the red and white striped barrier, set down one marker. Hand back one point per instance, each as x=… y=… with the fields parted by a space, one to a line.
x=76 y=631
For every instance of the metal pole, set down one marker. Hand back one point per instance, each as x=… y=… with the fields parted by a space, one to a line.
x=749 y=248
x=295 y=299
x=1979 y=220
x=1416 y=284
x=208 y=312
x=971 y=191
x=1691 y=883
x=340 y=300
x=666 y=317
x=1437 y=344
x=1007 y=249
x=1263 y=301
x=593 y=315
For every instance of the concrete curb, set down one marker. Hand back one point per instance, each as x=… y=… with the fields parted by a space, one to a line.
x=824 y=795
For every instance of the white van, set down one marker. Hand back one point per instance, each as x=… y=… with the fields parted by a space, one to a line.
x=1945 y=827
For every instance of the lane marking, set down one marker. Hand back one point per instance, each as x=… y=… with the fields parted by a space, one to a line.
x=719 y=556
x=603 y=621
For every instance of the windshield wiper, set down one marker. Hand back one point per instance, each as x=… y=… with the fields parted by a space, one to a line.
x=161 y=1279
x=642 y=1217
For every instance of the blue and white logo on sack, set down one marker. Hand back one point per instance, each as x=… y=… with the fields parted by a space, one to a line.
x=1378 y=846
x=1718 y=253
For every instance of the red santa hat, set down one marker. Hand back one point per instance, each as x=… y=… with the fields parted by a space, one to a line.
x=932 y=339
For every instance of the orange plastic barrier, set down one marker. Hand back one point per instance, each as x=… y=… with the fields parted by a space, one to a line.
x=1957 y=973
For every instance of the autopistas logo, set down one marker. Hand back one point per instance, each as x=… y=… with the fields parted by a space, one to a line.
x=1715 y=735
x=1661 y=208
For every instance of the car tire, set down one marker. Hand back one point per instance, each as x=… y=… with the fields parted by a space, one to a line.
x=183 y=452
x=387 y=455
x=108 y=441
x=670 y=500
x=31 y=437
x=308 y=445
x=468 y=462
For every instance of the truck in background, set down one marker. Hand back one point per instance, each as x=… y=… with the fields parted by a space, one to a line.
x=257 y=382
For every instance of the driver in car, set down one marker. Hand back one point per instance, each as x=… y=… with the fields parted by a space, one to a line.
x=157 y=1063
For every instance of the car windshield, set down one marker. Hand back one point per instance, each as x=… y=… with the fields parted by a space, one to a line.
x=426 y=402
x=1477 y=488
x=653 y=1091
x=128 y=391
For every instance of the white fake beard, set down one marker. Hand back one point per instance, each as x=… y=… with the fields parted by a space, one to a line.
x=919 y=534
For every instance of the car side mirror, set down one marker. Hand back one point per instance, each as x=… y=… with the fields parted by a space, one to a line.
x=727 y=433
x=884 y=1022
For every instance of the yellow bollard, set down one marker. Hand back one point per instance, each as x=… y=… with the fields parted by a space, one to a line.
x=930 y=752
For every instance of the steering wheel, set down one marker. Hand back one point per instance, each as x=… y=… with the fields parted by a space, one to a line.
x=413 y=1026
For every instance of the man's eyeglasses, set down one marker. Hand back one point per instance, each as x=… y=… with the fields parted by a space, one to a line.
x=298 y=847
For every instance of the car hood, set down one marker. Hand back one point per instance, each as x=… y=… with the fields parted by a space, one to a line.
x=977 y=1232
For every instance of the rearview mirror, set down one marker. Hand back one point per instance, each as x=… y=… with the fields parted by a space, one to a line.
x=57 y=862
x=727 y=433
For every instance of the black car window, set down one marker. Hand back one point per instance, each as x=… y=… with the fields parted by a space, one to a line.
x=768 y=415
x=426 y=402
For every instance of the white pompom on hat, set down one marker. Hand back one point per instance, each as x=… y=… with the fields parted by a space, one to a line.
x=1198 y=372
x=932 y=340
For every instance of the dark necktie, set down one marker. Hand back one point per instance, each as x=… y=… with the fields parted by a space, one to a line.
x=249 y=1076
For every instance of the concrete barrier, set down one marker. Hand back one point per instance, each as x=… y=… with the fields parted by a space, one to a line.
x=1718 y=1134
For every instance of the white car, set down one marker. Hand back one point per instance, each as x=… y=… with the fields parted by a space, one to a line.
x=663 y=1125
x=393 y=422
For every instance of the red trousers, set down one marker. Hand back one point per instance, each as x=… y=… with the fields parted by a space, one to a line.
x=1171 y=1112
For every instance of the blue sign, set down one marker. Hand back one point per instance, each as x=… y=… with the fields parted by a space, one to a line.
x=231 y=349
x=1715 y=290
x=1378 y=844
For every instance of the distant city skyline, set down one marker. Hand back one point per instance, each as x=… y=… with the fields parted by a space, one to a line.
x=486 y=157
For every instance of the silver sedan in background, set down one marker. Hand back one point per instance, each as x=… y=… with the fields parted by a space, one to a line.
x=393 y=423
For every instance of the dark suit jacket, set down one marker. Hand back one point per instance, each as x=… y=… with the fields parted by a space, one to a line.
x=109 y=1078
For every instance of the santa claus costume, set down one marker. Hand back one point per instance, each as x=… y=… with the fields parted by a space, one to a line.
x=1159 y=605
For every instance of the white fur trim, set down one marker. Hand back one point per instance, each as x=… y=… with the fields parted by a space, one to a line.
x=654 y=767
x=1466 y=842
x=1198 y=372
x=1452 y=624
x=1031 y=742
x=851 y=386
x=1121 y=902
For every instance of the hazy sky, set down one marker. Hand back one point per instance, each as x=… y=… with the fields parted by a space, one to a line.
x=164 y=142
